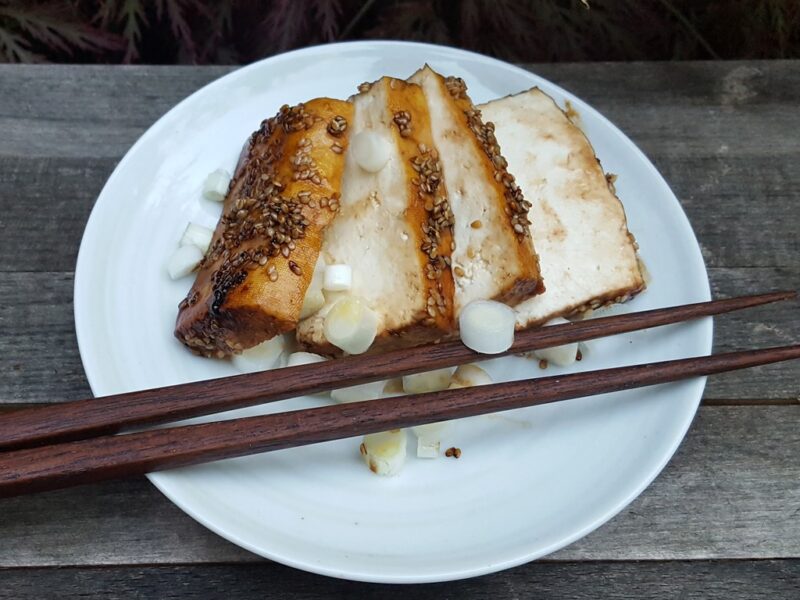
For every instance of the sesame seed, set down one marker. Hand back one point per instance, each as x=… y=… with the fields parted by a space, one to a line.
x=476 y=224
x=337 y=126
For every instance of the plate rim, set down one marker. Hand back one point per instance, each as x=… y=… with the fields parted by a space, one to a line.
x=157 y=479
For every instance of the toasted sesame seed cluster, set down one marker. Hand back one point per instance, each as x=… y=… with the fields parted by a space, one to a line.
x=289 y=188
x=440 y=220
x=276 y=195
x=516 y=206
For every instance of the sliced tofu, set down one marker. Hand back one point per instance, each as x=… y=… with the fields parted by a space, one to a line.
x=394 y=227
x=252 y=281
x=494 y=258
x=587 y=254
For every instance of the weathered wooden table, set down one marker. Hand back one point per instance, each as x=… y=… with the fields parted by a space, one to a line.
x=723 y=519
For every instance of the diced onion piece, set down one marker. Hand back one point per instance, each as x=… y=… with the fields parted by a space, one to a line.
x=469 y=376
x=216 y=185
x=429 y=438
x=312 y=302
x=487 y=326
x=183 y=261
x=371 y=150
x=304 y=358
x=338 y=278
x=428 y=448
x=358 y=393
x=351 y=325
x=266 y=355
x=385 y=452
x=560 y=356
x=197 y=235
x=431 y=381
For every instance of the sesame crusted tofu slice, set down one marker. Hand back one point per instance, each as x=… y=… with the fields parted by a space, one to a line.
x=588 y=256
x=394 y=227
x=251 y=283
x=494 y=257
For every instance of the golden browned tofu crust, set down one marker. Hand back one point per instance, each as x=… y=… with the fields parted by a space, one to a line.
x=423 y=310
x=286 y=190
x=499 y=262
x=428 y=215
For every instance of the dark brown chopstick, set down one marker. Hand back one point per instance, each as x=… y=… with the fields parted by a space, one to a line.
x=112 y=457
x=110 y=414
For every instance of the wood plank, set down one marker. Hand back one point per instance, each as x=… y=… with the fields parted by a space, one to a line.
x=724 y=139
x=44 y=206
x=743 y=210
x=88 y=111
x=730 y=492
x=40 y=362
x=758 y=198
x=710 y=580
x=39 y=355
x=761 y=327
x=640 y=97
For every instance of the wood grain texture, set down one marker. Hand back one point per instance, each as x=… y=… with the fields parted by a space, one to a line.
x=725 y=137
x=709 y=580
x=730 y=492
x=101 y=416
x=88 y=111
x=57 y=466
x=38 y=346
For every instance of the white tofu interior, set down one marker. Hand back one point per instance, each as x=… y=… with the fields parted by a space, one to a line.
x=586 y=252
x=371 y=233
x=483 y=266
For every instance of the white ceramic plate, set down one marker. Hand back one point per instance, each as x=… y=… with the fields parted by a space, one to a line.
x=529 y=482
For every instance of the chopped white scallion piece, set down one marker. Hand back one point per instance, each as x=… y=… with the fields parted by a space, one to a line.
x=337 y=278
x=264 y=356
x=385 y=452
x=358 y=393
x=429 y=438
x=183 y=261
x=314 y=299
x=304 y=358
x=216 y=184
x=469 y=376
x=312 y=302
x=197 y=235
x=393 y=387
x=560 y=356
x=371 y=150
x=431 y=381
x=427 y=448
x=351 y=325
x=487 y=326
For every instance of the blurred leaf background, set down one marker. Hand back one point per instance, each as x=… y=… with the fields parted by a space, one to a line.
x=240 y=31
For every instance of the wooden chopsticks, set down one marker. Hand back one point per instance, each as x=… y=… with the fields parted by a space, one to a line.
x=110 y=414
x=111 y=457
x=36 y=469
